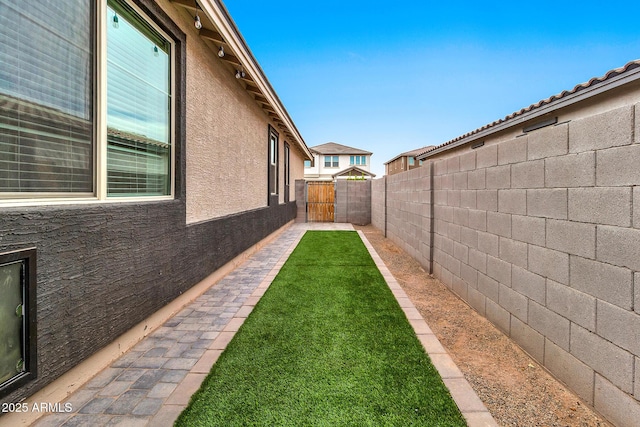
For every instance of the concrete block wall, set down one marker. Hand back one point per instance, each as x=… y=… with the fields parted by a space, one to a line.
x=378 y=202
x=540 y=233
x=353 y=201
x=301 y=200
x=408 y=211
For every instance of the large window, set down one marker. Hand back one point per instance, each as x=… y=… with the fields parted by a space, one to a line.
x=138 y=105
x=46 y=86
x=63 y=133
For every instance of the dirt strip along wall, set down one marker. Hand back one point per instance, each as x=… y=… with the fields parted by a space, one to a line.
x=539 y=233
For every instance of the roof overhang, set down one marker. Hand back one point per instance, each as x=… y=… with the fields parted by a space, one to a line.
x=355 y=169
x=220 y=31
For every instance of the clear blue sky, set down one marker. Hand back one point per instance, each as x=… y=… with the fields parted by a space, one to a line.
x=389 y=77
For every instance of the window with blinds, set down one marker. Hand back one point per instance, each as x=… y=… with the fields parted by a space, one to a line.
x=273 y=162
x=138 y=106
x=46 y=105
x=49 y=140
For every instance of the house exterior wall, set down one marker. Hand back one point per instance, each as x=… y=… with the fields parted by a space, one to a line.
x=227 y=131
x=103 y=267
x=401 y=164
x=539 y=233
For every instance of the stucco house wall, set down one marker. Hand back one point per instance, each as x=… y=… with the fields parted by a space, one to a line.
x=105 y=266
x=538 y=231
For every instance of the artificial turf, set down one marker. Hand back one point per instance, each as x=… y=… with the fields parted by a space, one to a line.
x=327 y=345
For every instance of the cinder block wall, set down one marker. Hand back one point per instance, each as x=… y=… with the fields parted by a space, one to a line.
x=353 y=201
x=540 y=233
x=378 y=208
x=408 y=211
x=301 y=200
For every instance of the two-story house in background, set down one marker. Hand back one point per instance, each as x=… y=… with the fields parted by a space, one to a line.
x=335 y=161
x=405 y=161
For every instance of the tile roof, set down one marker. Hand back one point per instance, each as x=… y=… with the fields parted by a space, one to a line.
x=334 y=148
x=594 y=82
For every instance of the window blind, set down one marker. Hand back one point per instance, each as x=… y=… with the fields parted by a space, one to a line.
x=46 y=88
x=138 y=106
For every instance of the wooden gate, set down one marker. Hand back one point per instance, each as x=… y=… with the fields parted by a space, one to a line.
x=320 y=201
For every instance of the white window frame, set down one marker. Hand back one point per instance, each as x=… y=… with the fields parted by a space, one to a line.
x=358 y=160
x=100 y=126
x=274 y=148
x=331 y=161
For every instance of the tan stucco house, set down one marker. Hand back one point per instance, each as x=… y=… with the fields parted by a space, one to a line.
x=124 y=126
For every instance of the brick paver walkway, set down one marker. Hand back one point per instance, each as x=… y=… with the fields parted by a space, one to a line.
x=152 y=383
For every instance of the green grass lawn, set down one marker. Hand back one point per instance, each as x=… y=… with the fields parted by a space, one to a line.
x=327 y=345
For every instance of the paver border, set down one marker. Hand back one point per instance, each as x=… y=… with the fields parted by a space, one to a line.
x=472 y=408
x=179 y=399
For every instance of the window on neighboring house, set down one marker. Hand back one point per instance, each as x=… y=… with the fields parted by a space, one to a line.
x=273 y=161
x=61 y=135
x=331 y=161
x=358 y=160
x=412 y=161
x=17 y=319
x=307 y=163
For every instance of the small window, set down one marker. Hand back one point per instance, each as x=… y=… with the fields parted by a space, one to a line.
x=287 y=172
x=358 y=160
x=17 y=319
x=273 y=161
x=331 y=161
x=412 y=161
x=307 y=163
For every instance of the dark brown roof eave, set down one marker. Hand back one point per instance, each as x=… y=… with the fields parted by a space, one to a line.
x=612 y=79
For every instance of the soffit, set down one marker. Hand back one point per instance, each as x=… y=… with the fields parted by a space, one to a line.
x=219 y=31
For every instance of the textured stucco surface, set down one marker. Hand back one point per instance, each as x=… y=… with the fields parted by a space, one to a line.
x=226 y=140
x=227 y=137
